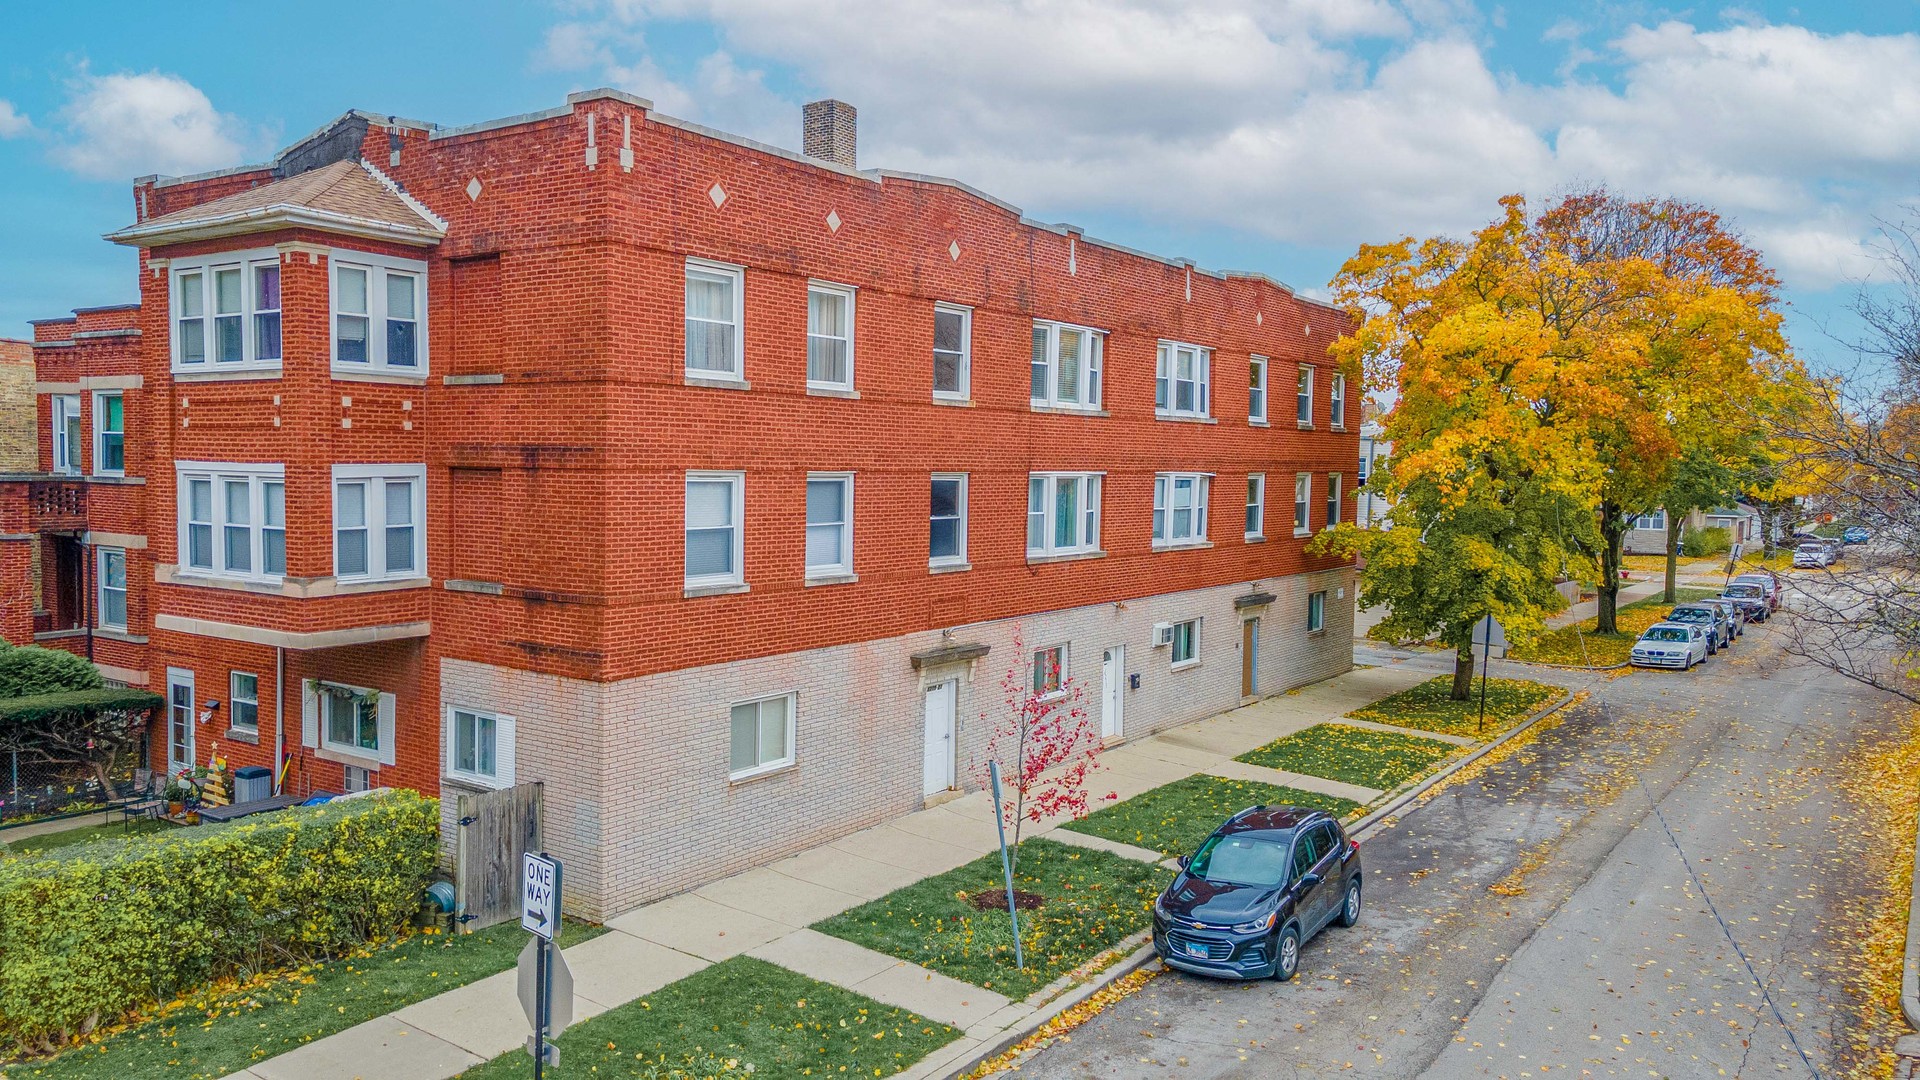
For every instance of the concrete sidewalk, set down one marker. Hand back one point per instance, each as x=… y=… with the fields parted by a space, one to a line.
x=765 y=912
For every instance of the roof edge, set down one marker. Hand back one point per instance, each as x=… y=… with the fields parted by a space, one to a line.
x=266 y=218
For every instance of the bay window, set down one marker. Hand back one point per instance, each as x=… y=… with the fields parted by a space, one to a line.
x=226 y=312
x=379 y=522
x=1181 y=383
x=1180 y=509
x=1067 y=363
x=1063 y=514
x=232 y=520
x=379 y=314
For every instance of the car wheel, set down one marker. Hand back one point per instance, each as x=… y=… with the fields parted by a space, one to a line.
x=1350 y=907
x=1286 y=954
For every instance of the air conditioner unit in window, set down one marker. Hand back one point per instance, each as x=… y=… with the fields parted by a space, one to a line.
x=1162 y=634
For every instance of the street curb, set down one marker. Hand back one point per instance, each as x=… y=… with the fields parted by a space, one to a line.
x=1567 y=667
x=1910 y=977
x=1006 y=1040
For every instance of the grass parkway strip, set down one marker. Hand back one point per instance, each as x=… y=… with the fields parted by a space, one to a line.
x=1429 y=706
x=1174 y=818
x=1579 y=646
x=1382 y=760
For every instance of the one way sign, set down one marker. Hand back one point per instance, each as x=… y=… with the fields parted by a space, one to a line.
x=540 y=896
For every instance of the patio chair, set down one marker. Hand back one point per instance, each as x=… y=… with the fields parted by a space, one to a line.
x=144 y=802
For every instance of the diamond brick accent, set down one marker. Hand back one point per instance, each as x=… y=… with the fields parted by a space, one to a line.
x=953 y=249
x=718 y=194
x=473 y=190
x=833 y=221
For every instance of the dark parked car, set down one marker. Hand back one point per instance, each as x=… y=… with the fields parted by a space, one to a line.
x=1768 y=581
x=1719 y=630
x=1856 y=534
x=1751 y=597
x=1736 y=622
x=1257 y=890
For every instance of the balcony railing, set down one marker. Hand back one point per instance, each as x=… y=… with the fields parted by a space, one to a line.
x=55 y=502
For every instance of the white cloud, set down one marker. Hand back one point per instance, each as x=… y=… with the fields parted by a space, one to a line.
x=12 y=121
x=1275 y=116
x=124 y=125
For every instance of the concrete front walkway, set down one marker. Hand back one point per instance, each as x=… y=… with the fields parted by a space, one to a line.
x=765 y=912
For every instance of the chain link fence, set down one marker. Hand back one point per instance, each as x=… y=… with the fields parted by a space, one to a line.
x=31 y=789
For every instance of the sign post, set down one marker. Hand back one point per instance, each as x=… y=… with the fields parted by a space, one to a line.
x=1488 y=635
x=540 y=916
x=1006 y=863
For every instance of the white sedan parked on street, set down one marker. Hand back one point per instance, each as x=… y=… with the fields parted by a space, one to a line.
x=1670 y=645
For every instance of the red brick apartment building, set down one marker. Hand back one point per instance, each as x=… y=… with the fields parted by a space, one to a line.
x=704 y=481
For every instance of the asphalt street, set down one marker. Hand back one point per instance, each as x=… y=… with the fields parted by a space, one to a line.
x=1655 y=886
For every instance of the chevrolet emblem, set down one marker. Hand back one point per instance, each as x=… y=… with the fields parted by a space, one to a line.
x=1199 y=926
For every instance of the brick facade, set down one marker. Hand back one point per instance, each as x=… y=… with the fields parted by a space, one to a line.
x=556 y=423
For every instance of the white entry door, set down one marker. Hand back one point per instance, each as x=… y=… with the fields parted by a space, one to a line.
x=1113 y=697
x=941 y=702
x=179 y=719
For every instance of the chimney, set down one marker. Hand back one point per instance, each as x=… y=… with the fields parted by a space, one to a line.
x=827 y=131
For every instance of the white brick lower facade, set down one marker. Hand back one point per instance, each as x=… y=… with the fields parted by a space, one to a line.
x=638 y=799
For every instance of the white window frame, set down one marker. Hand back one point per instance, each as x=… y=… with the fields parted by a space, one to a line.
x=503 y=747
x=959 y=557
x=1303 y=397
x=1337 y=401
x=1256 y=506
x=378 y=269
x=217 y=474
x=1651 y=522
x=762 y=767
x=1333 y=500
x=843 y=568
x=1092 y=368
x=1302 y=503
x=64 y=416
x=1192 y=659
x=1258 y=386
x=738 y=487
x=1087 y=519
x=737 y=276
x=846 y=294
x=1166 y=487
x=1059 y=688
x=385 y=728
x=1317 y=612
x=965 y=355
x=247 y=262
x=100 y=432
x=374 y=479
x=1167 y=383
x=235 y=699
x=103 y=556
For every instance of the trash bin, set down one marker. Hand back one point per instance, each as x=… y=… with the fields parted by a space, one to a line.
x=252 y=783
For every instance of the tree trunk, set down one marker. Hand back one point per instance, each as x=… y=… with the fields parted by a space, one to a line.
x=1612 y=534
x=1675 y=526
x=1462 y=675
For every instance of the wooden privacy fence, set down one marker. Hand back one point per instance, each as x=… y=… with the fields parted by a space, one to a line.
x=493 y=831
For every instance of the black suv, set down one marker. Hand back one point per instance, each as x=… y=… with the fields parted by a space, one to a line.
x=1258 y=888
x=1710 y=618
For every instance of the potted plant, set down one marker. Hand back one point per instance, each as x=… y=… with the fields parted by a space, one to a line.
x=176 y=793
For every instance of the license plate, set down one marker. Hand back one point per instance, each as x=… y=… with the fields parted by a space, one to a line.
x=1194 y=949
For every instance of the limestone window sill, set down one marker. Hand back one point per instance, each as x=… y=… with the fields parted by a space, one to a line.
x=717 y=382
x=1036 y=560
x=692 y=591
x=949 y=568
x=832 y=579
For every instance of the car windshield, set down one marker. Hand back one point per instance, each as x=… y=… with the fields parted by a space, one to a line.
x=1690 y=614
x=1241 y=860
x=1815 y=548
x=1745 y=592
x=1664 y=633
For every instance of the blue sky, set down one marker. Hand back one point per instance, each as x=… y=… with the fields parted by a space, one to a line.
x=1272 y=135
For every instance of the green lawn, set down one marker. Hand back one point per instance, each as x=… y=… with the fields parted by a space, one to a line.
x=1579 y=645
x=1430 y=706
x=1174 y=818
x=740 y=1017
x=225 y=1029
x=1094 y=900
x=85 y=834
x=1355 y=755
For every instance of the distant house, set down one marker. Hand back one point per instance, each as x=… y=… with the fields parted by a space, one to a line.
x=1373 y=509
x=18 y=450
x=1649 y=533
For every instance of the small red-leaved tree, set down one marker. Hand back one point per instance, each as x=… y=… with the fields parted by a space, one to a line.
x=1047 y=744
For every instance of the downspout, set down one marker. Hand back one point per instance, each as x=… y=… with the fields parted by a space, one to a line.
x=87 y=593
x=279 y=713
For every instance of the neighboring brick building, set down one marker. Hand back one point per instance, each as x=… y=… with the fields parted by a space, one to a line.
x=704 y=481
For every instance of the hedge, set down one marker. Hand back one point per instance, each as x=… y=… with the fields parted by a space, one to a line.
x=31 y=669
x=38 y=707
x=94 y=933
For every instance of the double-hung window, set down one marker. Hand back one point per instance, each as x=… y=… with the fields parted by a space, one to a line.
x=1186 y=643
x=112 y=575
x=829 y=525
x=829 y=336
x=1333 y=499
x=1256 y=505
x=233 y=520
x=480 y=747
x=1305 y=399
x=1180 y=509
x=243 y=700
x=226 y=312
x=1181 y=382
x=715 y=313
x=379 y=522
x=1257 y=390
x=715 y=506
x=379 y=314
x=1063 y=514
x=1337 y=402
x=66 y=434
x=762 y=736
x=1317 y=612
x=1049 y=672
x=947 y=520
x=109 y=434
x=952 y=351
x=1302 y=495
x=1066 y=366
x=352 y=721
